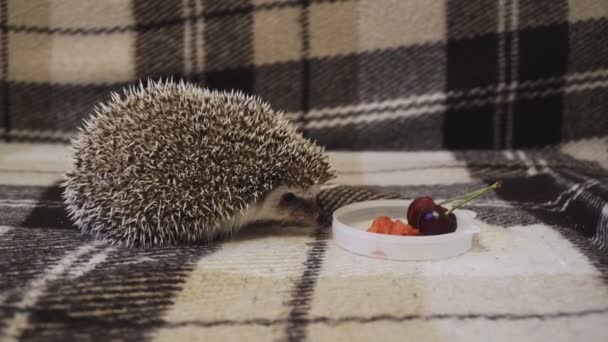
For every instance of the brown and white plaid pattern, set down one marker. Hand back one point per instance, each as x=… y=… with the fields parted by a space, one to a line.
x=353 y=74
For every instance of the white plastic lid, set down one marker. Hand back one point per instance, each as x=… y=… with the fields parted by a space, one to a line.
x=350 y=224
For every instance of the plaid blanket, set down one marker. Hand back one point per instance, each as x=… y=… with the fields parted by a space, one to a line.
x=463 y=92
x=538 y=270
x=351 y=74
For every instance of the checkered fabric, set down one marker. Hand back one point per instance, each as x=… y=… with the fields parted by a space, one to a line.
x=367 y=74
x=461 y=92
x=538 y=270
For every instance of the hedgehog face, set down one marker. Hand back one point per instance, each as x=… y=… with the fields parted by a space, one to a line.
x=291 y=205
x=284 y=205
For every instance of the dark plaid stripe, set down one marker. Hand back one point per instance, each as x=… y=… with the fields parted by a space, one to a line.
x=5 y=123
x=54 y=107
x=584 y=113
x=422 y=132
x=332 y=321
x=305 y=103
x=195 y=40
x=229 y=42
x=507 y=57
x=535 y=45
x=542 y=13
x=23 y=192
x=45 y=217
x=33 y=207
x=280 y=85
x=159 y=51
x=355 y=79
x=304 y=287
x=588 y=48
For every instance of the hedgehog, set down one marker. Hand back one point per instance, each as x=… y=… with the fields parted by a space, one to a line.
x=165 y=163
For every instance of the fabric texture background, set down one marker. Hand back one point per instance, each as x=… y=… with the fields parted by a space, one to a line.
x=411 y=97
x=352 y=74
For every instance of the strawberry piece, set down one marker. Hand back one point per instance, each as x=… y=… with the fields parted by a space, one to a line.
x=411 y=231
x=398 y=228
x=381 y=225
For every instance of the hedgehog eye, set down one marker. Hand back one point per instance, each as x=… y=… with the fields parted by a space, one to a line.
x=288 y=197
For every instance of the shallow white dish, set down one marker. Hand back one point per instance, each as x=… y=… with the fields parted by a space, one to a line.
x=351 y=222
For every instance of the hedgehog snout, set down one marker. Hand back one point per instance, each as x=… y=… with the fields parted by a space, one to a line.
x=291 y=206
x=305 y=211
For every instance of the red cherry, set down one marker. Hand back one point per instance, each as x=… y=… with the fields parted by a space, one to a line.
x=431 y=218
x=437 y=221
x=417 y=207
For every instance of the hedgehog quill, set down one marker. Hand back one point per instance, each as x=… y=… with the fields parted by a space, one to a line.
x=168 y=163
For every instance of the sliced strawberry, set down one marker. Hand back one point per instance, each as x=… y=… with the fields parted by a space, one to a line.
x=398 y=228
x=381 y=225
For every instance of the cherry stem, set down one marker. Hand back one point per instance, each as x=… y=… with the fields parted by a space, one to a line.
x=471 y=196
x=467 y=195
x=473 y=193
